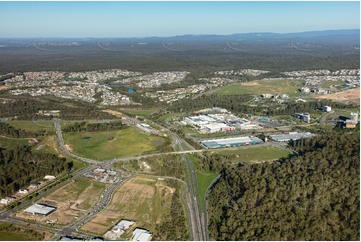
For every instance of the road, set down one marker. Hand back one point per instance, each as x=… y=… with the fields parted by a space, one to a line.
x=195 y=217
x=190 y=197
x=197 y=226
x=104 y=200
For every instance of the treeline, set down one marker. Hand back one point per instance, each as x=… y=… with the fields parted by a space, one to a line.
x=237 y=104
x=11 y=131
x=311 y=196
x=27 y=109
x=90 y=127
x=173 y=228
x=20 y=166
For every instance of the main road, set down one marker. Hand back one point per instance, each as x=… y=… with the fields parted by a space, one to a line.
x=197 y=224
x=197 y=220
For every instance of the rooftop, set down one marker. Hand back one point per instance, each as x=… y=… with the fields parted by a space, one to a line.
x=141 y=235
x=40 y=209
x=289 y=136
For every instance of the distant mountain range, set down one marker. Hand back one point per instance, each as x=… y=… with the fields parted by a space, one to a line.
x=324 y=35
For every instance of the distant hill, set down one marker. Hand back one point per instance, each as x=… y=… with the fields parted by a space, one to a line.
x=330 y=49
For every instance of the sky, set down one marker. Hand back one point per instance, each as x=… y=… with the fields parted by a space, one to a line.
x=145 y=19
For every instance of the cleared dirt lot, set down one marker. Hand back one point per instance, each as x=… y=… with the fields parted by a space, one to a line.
x=72 y=200
x=115 y=113
x=352 y=95
x=143 y=200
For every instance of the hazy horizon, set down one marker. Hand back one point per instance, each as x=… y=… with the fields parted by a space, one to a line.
x=179 y=35
x=165 y=19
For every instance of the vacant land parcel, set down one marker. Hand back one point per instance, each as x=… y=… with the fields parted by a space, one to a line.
x=103 y=145
x=72 y=200
x=145 y=201
x=261 y=87
x=352 y=96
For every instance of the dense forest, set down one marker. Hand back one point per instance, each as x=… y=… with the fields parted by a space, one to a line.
x=20 y=166
x=174 y=227
x=314 y=195
x=11 y=131
x=26 y=109
x=206 y=56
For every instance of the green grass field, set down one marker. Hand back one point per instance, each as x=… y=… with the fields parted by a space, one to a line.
x=169 y=116
x=10 y=143
x=327 y=84
x=104 y=145
x=140 y=112
x=11 y=232
x=32 y=126
x=204 y=179
x=255 y=154
x=14 y=236
x=260 y=87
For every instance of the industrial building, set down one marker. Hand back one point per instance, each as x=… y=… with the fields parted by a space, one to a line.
x=118 y=230
x=350 y=124
x=326 y=109
x=49 y=177
x=23 y=191
x=305 y=117
x=70 y=238
x=7 y=200
x=354 y=117
x=218 y=122
x=290 y=136
x=141 y=235
x=231 y=142
x=215 y=127
x=40 y=209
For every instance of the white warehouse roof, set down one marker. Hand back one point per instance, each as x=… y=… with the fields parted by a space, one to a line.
x=124 y=224
x=289 y=136
x=39 y=209
x=141 y=235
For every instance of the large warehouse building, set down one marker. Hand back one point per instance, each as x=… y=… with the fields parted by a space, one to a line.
x=289 y=136
x=231 y=142
x=40 y=209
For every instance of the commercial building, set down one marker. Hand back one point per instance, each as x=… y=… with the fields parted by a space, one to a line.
x=290 y=136
x=231 y=142
x=141 y=235
x=40 y=209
